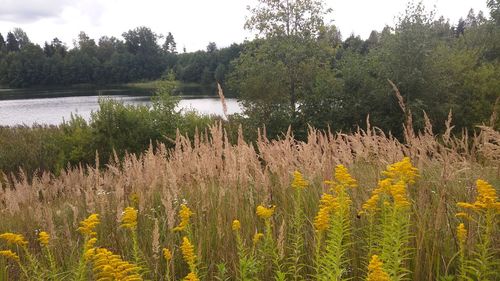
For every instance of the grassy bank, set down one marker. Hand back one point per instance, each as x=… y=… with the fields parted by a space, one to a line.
x=221 y=182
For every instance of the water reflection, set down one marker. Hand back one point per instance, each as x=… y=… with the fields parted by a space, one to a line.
x=53 y=110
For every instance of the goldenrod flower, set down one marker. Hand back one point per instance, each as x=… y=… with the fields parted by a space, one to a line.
x=375 y=270
x=343 y=177
x=486 y=199
x=15 y=239
x=88 y=225
x=402 y=170
x=461 y=233
x=265 y=213
x=191 y=277
x=487 y=195
x=188 y=252
x=467 y=205
x=256 y=237
x=89 y=248
x=167 y=254
x=9 y=255
x=108 y=266
x=322 y=219
x=184 y=213
x=463 y=215
x=129 y=219
x=43 y=238
x=90 y=243
x=298 y=181
x=371 y=204
x=236 y=225
x=398 y=192
x=327 y=204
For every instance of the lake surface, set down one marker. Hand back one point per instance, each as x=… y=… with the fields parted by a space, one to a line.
x=53 y=110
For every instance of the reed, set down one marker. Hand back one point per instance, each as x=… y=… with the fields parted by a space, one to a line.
x=219 y=182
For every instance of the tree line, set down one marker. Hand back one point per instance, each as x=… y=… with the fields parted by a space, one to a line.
x=141 y=55
x=299 y=70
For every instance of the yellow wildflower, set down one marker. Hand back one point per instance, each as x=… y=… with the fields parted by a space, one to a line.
x=343 y=177
x=487 y=195
x=265 y=213
x=108 y=266
x=461 y=233
x=167 y=254
x=322 y=219
x=402 y=170
x=129 y=219
x=327 y=204
x=398 y=192
x=191 y=277
x=9 y=255
x=188 y=252
x=88 y=225
x=89 y=248
x=383 y=186
x=184 y=213
x=371 y=204
x=467 y=205
x=15 y=239
x=375 y=270
x=236 y=225
x=43 y=238
x=256 y=237
x=463 y=215
x=91 y=243
x=298 y=181
x=486 y=199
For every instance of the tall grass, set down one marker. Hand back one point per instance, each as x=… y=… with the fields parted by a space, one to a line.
x=221 y=182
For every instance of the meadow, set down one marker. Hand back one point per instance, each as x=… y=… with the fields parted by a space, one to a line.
x=359 y=206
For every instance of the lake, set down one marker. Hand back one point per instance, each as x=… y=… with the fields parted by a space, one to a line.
x=52 y=110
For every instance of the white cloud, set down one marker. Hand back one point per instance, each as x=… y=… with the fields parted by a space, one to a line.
x=193 y=23
x=31 y=10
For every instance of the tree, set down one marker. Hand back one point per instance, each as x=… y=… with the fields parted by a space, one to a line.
x=56 y=47
x=302 y=18
x=170 y=47
x=211 y=47
x=494 y=6
x=2 y=43
x=141 y=40
x=275 y=72
x=12 y=44
x=21 y=37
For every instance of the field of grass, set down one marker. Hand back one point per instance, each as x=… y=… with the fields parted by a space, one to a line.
x=360 y=206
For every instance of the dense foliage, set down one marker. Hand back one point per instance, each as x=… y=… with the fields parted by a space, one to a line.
x=141 y=55
x=112 y=131
x=297 y=72
x=307 y=75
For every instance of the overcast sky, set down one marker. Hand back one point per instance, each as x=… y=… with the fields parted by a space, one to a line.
x=193 y=23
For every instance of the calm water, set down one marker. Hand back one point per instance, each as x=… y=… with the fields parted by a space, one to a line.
x=53 y=110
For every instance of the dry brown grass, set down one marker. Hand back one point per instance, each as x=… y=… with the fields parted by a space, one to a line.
x=222 y=181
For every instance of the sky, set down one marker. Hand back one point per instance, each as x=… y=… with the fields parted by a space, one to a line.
x=194 y=23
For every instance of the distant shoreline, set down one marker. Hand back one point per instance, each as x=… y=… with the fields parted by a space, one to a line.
x=136 y=89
